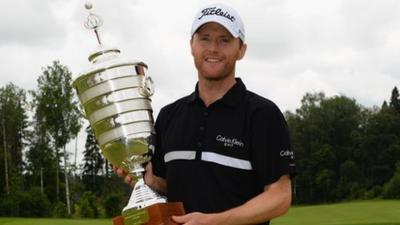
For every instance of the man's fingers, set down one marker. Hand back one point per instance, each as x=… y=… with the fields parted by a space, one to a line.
x=120 y=172
x=181 y=219
x=128 y=179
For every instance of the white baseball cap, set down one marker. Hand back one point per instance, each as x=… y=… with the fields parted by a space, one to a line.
x=221 y=14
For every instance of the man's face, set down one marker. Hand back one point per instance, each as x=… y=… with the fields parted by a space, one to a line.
x=215 y=52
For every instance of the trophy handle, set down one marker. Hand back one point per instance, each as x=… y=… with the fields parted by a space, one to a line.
x=147 y=88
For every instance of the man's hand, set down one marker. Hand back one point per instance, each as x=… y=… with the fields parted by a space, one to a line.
x=197 y=218
x=273 y=202
x=156 y=183
x=123 y=174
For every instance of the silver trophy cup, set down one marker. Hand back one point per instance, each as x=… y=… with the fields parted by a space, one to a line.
x=115 y=96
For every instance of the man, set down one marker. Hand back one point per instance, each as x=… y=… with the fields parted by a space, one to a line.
x=223 y=151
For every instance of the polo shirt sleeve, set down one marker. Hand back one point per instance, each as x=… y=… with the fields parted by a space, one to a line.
x=158 y=157
x=272 y=155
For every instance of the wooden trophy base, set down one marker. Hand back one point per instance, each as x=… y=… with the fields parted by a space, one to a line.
x=157 y=214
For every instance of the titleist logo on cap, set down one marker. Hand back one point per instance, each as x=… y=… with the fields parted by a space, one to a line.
x=218 y=12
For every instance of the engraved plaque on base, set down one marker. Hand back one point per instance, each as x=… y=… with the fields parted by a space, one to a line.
x=158 y=214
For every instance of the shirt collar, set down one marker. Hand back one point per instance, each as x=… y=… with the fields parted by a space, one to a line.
x=232 y=98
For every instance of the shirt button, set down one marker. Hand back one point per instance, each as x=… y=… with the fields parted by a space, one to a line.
x=201 y=128
x=199 y=144
x=205 y=113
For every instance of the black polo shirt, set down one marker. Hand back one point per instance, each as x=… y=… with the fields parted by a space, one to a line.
x=218 y=157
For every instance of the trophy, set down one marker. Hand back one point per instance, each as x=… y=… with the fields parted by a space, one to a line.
x=115 y=96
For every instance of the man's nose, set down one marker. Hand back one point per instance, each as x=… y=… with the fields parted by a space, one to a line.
x=213 y=46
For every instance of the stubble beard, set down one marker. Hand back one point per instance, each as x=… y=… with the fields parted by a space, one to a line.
x=223 y=75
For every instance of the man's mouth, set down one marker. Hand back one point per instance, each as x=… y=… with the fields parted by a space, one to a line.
x=213 y=60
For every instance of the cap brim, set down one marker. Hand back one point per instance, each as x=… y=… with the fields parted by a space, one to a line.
x=213 y=20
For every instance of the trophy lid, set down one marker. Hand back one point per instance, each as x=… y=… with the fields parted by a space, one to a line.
x=103 y=57
x=102 y=53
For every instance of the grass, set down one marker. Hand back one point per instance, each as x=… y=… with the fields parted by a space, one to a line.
x=352 y=213
x=53 y=221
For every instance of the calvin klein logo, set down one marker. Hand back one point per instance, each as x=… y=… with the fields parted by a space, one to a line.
x=287 y=153
x=218 y=12
x=229 y=142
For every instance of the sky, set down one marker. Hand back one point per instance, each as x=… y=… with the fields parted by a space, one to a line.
x=340 y=47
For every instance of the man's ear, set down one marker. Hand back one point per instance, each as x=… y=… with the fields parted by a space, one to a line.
x=191 y=44
x=242 y=51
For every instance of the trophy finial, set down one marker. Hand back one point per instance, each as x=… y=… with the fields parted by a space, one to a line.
x=88 y=5
x=93 y=21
